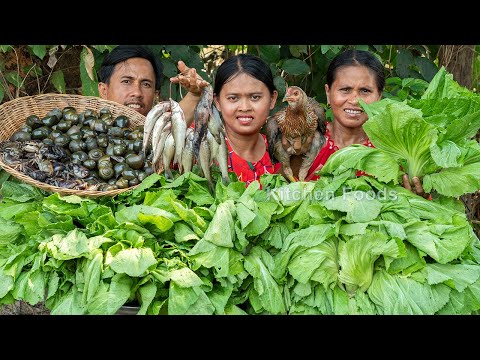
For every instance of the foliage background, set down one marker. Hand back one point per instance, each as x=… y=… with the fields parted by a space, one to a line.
x=35 y=69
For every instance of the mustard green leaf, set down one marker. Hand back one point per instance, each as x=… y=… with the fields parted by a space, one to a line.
x=357 y=258
x=30 y=287
x=360 y=206
x=463 y=303
x=259 y=263
x=133 y=262
x=147 y=294
x=92 y=271
x=184 y=233
x=221 y=230
x=188 y=301
x=10 y=231
x=108 y=299
x=69 y=304
x=70 y=246
x=6 y=283
x=454 y=181
x=443 y=243
x=199 y=194
x=457 y=276
x=185 y=278
x=398 y=295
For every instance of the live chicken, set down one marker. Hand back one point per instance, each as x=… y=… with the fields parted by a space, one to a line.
x=296 y=130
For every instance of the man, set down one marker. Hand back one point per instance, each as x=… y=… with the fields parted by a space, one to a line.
x=131 y=75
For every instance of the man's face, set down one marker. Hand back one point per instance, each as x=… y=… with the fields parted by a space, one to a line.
x=132 y=84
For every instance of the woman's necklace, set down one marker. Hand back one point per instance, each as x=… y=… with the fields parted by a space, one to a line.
x=250 y=164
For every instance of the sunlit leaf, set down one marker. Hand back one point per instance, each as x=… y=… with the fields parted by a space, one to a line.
x=89 y=62
x=39 y=50
x=89 y=86
x=58 y=81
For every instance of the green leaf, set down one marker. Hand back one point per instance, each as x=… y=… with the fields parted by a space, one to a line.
x=39 y=50
x=14 y=78
x=259 y=263
x=169 y=70
x=298 y=50
x=281 y=85
x=296 y=67
x=133 y=262
x=454 y=182
x=30 y=287
x=2 y=92
x=177 y=52
x=270 y=53
x=442 y=242
x=221 y=230
x=399 y=295
x=427 y=67
x=5 y=48
x=199 y=194
x=147 y=294
x=109 y=299
x=89 y=85
x=59 y=81
x=102 y=48
x=360 y=206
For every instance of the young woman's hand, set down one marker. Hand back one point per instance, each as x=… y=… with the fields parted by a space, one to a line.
x=189 y=79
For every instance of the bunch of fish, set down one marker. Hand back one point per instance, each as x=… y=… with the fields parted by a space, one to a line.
x=173 y=144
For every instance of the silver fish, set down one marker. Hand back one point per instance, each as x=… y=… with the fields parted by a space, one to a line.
x=168 y=154
x=157 y=161
x=179 y=129
x=157 y=133
x=204 y=163
x=201 y=116
x=215 y=125
x=222 y=160
x=150 y=121
x=187 y=153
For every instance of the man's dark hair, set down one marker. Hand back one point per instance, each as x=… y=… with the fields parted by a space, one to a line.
x=125 y=52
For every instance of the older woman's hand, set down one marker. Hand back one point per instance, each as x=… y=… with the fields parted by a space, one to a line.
x=417 y=186
x=189 y=79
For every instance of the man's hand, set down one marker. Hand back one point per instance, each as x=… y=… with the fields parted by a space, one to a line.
x=189 y=79
x=417 y=189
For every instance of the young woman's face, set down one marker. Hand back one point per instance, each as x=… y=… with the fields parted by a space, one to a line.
x=245 y=104
x=132 y=84
x=352 y=83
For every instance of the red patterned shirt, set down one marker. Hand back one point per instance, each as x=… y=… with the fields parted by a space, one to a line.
x=250 y=171
x=328 y=149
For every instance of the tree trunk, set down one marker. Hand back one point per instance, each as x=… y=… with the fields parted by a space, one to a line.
x=458 y=60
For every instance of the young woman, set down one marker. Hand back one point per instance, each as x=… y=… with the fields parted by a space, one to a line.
x=244 y=94
x=352 y=75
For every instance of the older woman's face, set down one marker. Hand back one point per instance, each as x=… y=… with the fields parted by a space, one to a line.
x=352 y=83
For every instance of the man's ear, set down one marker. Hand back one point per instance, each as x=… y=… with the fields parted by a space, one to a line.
x=102 y=90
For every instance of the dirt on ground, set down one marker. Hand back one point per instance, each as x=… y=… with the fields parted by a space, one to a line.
x=23 y=308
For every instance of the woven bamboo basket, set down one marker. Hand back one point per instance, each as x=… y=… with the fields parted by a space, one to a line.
x=13 y=114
